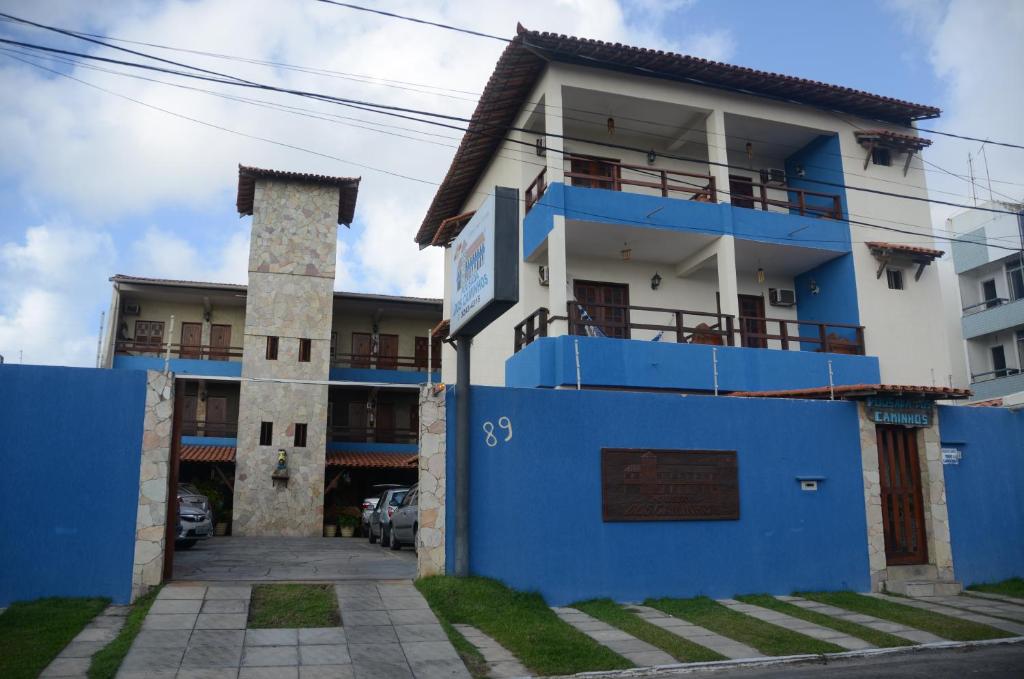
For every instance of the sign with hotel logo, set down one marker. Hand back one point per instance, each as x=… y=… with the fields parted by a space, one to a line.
x=484 y=273
x=911 y=412
x=669 y=485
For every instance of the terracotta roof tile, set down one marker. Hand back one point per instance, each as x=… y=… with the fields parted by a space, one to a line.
x=908 y=249
x=897 y=139
x=197 y=453
x=247 y=177
x=847 y=391
x=525 y=58
x=345 y=458
x=990 y=403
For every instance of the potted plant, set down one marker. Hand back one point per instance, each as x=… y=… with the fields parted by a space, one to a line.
x=347 y=525
x=330 y=529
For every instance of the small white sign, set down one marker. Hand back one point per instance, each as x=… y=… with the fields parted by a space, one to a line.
x=472 y=270
x=951 y=456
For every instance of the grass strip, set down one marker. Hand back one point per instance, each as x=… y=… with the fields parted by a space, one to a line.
x=520 y=622
x=872 y=636
x=471 y=656
x=1013 y=587
x=32 y=633
x=276 y=606
x=765 y=637
x=944 y=626
x=681 y=649
x=107 y=660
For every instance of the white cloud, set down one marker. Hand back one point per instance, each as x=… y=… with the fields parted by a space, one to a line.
x=162 y=254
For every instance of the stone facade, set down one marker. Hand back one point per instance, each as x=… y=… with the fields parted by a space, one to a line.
x=430 y=555
x=151 y=519
x=290 y=296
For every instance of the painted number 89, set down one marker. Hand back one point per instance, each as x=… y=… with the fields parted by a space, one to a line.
x=503 y=423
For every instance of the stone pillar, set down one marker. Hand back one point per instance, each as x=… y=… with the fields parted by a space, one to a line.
x=933 y=488
x=290 y=296
x=872 y=498
x=430 y=555
x=154 y=469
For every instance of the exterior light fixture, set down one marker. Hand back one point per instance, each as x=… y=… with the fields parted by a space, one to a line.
x=655 y=281
x=800 y=171
x=541 y=150
x=814 y=287
x=750 y=151
x=651 y=157
x=626 y=252
x=760 y=275
x=611 y=125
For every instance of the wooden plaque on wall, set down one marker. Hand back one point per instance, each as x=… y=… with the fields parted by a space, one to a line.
x=641 y=484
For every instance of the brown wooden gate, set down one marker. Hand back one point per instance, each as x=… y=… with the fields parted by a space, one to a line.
x=899 y=469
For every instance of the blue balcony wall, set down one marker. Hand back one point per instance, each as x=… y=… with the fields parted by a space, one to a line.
x=835 y=301
x=209 y=441
x=375 y=375
x=820 y=160
x=180 y=366
x=985 y=492
x=70 y=448
x=606 y=362
x=713 y=219
x=363 y=447
x=540 y=490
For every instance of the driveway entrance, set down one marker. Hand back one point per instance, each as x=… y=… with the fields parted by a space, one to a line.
x=256 y=559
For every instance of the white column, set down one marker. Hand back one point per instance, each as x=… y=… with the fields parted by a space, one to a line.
x=728 y=289
x=715 y=127
x=553 y=129
x=558 y=286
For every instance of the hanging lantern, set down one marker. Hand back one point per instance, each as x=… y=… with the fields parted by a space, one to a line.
x=611 y=125
x=626 y=252
x=760 y=275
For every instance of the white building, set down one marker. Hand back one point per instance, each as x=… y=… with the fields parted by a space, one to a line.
x=990 y=271
x=724 y=212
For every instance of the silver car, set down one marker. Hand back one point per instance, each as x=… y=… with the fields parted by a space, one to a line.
x=195 y=517
x=367 y=507
x=405 y=520
x=380 y=520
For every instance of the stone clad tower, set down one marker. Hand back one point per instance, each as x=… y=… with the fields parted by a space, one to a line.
x=286 y=350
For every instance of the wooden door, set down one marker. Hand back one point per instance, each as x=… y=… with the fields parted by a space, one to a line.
x=601 y=173
x=607 y=304
x=361 y=349
x=385 y=422
x=741 y=190
x=387 y=352
x=752 y=324
x=189 y=426
x=191 y=340
x=899 y=471
x=421 y=345
x=220 y=342
x=217 y=416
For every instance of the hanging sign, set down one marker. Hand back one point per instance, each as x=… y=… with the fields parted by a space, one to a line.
x=484 y=272
x=912 y=412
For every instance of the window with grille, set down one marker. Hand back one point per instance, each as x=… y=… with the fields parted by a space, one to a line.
x=895 y=278
x=300 y=434
x=266 y=433
x=881 y=156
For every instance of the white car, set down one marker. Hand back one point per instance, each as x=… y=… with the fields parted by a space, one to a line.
x=380 y=520
x=367 y=507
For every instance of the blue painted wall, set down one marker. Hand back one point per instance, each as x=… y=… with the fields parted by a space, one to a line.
x=180 y=366
x=551 y=361
x=363 y=447
x=985 y=492
x=821 y=160
x=375 y=375
x=70 y=446
x=836 y=301
x=715 y=219
x=541 y=493
x=209 y=441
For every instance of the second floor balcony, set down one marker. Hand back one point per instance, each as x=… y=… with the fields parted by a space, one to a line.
x=219 y=359
x=992 y=315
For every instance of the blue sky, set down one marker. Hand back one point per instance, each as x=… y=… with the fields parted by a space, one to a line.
x=94 y=185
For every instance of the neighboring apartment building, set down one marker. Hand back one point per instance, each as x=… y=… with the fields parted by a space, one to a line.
x=989 y=262
x=285 y=363
x=690 y=225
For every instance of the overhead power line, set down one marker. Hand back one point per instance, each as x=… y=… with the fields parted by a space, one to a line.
x=435 y=24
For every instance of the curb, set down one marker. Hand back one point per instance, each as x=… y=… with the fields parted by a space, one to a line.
x=721 y=665
x=994 y=597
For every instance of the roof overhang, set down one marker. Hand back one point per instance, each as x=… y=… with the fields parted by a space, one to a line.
x=247 y=176
x=361 y=460
x=889 y=252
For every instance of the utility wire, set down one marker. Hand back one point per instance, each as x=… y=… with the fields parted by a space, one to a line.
x=414 y=20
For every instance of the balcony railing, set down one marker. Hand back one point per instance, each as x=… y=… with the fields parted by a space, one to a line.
x=209 y=428
x=987 y=304
x=536 y=189
x=614 y=175
x=194 y=351
x=610 y=320
x=383 y=362
x=993 y=375
x=801 y=201
x=351 y=434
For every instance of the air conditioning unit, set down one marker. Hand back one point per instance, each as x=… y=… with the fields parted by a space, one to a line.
x=781 y=297
x=773 y=176
x=131 y=309
x=543 y=275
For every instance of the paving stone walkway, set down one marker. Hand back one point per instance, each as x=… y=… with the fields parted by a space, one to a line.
x=730 y=648
x=501 y=664
x=74 y=660
x=995 y=609
x=878 y=624
x=985 y=595
x=637 y=651
x=1015 y=628
x=797 y=625
x=198 y=631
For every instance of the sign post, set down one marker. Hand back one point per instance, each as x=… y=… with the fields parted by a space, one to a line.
x=484 y=280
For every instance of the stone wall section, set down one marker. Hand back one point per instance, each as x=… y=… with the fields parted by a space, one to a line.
x=872 y=498
x=290 y=223
x=430 y=555
x=154 y=468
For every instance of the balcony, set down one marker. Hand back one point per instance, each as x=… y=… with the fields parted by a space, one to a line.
x=699 y=351
x=996 y=383
x=992 y=315
x=351 y=434
x=375 y=367
x=184 y=359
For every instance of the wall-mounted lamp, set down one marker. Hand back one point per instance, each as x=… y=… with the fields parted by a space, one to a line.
x=800 y=171
x=814 y=287
x=651 y=157
x=202 y=396
x=655 y=281
x=541 y=149
x=207 y=315
x=611 y=125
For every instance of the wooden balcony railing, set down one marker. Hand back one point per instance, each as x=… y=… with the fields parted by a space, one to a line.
x=349 y=434
x=379 y=362
x=209 y=428
x=698 y=327
x=801 y=201
x=536 y=189
x=612 y=176
x=195 y=351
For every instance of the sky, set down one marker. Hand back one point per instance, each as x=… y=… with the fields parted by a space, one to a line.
x=103 y=174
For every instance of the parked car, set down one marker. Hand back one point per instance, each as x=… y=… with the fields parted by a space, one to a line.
x=405 y=520
x=195 y=517
x=380 y=520
x=368 y=506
